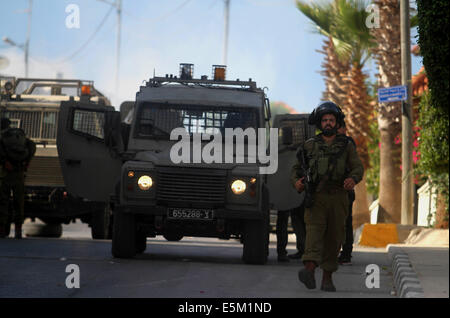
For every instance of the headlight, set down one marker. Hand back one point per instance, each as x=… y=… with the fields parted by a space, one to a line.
x=238 y=187
x=145 y=183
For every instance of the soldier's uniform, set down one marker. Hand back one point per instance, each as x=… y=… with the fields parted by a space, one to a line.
x=325 y=220
x=328 y=166
x=12 y=178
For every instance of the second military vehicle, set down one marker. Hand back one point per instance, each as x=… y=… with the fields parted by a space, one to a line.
x=33 y=104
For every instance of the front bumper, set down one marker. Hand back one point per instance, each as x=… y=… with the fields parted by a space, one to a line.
x=219 y=213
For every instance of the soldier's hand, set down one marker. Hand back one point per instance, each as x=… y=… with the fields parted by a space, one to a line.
x=299 y=185
x=349 y=184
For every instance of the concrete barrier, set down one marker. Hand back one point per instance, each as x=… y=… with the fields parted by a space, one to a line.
x=382 y=234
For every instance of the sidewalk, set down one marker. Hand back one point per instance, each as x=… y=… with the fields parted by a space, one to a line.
x=421 y=264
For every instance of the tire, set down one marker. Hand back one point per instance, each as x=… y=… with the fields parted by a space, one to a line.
x=255 y=242
x=173 y=237
x=256 y=236
x=111 y=227
x=9 y=219
x=124 y=235
x=7 y=228
x=42 y=230
x=141 y=243
x=100 y=223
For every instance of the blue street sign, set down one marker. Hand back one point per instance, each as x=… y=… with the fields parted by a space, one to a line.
x=392 y=94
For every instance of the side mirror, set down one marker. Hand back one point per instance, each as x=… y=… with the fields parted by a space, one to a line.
x=286 y=134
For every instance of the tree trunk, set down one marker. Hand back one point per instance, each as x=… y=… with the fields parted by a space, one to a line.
x=361 y=213
x=441 y=214
x=388 y=58
x=390 y=177
x=357 y=111
x=335 y=72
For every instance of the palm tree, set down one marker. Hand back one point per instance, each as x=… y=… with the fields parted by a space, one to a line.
x=387 y=54
x=335 y=68
x=348 y=39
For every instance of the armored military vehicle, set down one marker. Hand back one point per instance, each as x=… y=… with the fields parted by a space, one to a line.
x=33 y=104
x=129 y=163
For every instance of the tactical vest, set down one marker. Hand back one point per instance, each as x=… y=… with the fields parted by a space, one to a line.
x=15 y=145
x=319 y=155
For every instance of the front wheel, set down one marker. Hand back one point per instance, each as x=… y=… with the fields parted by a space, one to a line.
x=141 y=243
x=33 y=229
x=256 y=242
x=124 y=235
x=100 y=222
x=173 y=237
x=256 y=235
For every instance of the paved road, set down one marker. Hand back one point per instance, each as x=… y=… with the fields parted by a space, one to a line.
x=193 y=268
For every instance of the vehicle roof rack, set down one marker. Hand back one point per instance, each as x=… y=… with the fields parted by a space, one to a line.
x=157 y=81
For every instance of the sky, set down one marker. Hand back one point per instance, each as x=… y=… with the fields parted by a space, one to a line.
x=269 y=41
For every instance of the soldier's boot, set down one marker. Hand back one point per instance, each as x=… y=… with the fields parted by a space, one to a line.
x=18 y=231
x=306 y=275
x=327 y=282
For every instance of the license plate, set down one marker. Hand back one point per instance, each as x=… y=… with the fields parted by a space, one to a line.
x=190 y=214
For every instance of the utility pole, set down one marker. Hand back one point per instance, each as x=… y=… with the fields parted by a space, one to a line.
x=225 y=39
x=119 y=22
x=407 y=204
x=27 y=42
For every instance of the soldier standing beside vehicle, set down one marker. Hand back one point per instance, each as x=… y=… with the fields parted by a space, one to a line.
x=297 y=216
x=345 y=257
x=333 y=168
x=16 y=151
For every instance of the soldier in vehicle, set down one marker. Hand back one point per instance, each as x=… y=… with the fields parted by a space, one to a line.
x=333 y=169
x=16 y=151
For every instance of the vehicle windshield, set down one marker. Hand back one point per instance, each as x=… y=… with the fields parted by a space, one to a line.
x=158 y=120
x=47 y=87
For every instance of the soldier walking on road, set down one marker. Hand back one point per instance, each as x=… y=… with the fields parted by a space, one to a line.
x=16 y=151
x=328 y=168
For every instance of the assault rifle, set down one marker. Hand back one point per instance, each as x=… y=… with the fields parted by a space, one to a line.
x=307 y=181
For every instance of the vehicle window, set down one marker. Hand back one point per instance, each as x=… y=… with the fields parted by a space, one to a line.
x=301 y=131
x=160 y=120
x=41 y=90
x=66 y=89
x=89 y=123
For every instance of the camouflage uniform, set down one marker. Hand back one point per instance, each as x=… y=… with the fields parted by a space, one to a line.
x=12 y=178
x=325 y=220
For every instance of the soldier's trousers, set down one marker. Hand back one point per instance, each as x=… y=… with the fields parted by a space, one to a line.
x=298 y=225
x=12 y=181
x=325 y=228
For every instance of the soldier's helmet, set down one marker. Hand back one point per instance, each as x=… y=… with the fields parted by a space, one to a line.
x=324 y=108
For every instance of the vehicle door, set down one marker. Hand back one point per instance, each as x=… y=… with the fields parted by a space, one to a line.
x=283 y=195
x=90 y=167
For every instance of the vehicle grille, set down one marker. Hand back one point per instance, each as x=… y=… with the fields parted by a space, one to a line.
x=38 y=125
x=191 y=185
